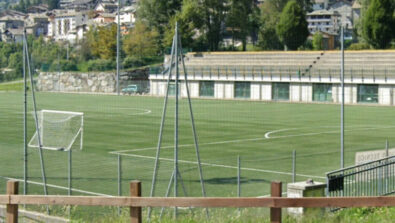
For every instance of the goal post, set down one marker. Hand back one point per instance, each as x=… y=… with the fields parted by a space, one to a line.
x=59 y=130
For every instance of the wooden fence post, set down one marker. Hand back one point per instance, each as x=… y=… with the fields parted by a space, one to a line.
x=275 y=213
x=135 y=212
x=12 y=209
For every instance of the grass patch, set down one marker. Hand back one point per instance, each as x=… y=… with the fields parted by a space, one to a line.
x=13 y=86
x=264 y=135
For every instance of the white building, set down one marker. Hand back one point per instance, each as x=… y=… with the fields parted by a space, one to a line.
x=127 y=15
x=323 y=20
x=63 y=25
x=287 y=76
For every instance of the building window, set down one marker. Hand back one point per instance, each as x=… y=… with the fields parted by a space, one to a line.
x=66 y=26
x=322 y=92
x=59 y=27
x=368 y=93
x=242 y=89
x=206 y=88
x=172 y=88
x=280 y=91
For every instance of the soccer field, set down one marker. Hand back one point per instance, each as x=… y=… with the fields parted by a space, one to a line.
x=263 y=134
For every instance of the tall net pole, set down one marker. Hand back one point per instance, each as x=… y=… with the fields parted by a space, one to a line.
x=176 y=178
x=342 y=103
x=40 y=152
x=156 y=166
x=118 y=44
x=25 y=158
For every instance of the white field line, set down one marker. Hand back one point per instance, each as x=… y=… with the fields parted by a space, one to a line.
x=220 y=165
x=266 y=136
x=59 y=187
x=142 y=111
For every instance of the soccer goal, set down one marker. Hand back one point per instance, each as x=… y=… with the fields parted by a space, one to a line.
x=59 y=130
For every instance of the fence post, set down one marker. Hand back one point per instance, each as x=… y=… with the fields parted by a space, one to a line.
x=12 y=209
x=275 y=213
x=135 y=212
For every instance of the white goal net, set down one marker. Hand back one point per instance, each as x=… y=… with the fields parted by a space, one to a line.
x=59 y=130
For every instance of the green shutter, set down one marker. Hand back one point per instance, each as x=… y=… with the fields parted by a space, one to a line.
x=280 y=91
x=322 y=92
x=206 y=89
x=242 y=90
x=368 y=93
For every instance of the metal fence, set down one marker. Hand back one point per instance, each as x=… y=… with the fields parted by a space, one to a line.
x=374 y=178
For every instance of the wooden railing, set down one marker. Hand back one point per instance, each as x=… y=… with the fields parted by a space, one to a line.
x=136 y=202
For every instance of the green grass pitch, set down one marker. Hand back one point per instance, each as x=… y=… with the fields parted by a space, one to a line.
x=264 y=134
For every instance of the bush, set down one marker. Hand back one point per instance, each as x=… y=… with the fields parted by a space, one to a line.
x=100 y=65
x=359 y=46
x=64 y=65
x=129 y=62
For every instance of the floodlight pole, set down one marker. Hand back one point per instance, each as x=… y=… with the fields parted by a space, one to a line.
x=118 y=45
x=36 y=120
x=342 y=101
x=25 y=167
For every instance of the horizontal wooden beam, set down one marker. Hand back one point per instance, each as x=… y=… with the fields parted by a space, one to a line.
x=278 y=202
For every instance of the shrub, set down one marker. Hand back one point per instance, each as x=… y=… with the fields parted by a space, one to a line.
x=100 y=65
x=359 y=46
x=64 y=65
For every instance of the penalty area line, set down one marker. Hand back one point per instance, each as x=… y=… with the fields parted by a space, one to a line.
x=222 y=166
x=266 y=137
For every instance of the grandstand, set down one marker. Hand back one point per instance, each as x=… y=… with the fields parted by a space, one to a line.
x=298 y=76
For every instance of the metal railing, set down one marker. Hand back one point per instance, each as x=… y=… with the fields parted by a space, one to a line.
x=375 y=178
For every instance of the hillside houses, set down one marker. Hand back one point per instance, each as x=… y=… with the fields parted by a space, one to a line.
x=75 y=17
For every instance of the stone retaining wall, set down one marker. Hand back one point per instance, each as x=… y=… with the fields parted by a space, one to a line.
x=91 y=82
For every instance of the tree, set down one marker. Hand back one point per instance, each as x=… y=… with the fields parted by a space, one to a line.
x=52 y=4
x=239 y=19
x=378 y=23
x=102 y=41
x=157 y=13
x=190 y=23
x=279 y=5
x=292 y=27
x=267 y=36
x=318 y=41
x=214 y=15
x=141 y=42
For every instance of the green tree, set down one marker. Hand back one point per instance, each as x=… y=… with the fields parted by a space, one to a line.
x=378 y=23
x=102 y=41
x=190 y=22
x=214 y=15
x=52 y=4
x=292 y=27
x=267 y=36
x=141 y=42
x=157 y=13
x=318 y=41
x=280 y=4
x=239 y=20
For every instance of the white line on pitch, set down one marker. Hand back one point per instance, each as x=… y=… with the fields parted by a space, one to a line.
x=266 y=136
x=59 y=187
x=223 y=166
